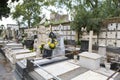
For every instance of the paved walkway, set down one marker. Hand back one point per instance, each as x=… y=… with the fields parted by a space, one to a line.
x=6 y=72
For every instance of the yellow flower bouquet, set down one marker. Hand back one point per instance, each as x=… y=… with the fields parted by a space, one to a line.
x=52 y=45
x=41 y=47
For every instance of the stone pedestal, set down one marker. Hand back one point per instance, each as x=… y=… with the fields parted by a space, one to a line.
x=102 y=52
x=90 y=60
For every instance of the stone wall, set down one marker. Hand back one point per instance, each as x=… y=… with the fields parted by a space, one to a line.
x=110 y=35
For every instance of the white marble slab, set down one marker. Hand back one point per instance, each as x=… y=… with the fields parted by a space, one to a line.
x=44 y=74
x=27 y=55
x=10 y=44
x=105 y=72
x=57 y=69
x=72 y=49
x=20 y=51
x=40 y=61
x=90 y=55
x=90 y=75
x=74 y=62
x=15 y=48
x=60 y=68
x=90 y=60
x=1 y=41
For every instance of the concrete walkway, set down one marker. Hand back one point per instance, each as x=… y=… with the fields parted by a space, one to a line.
x=6 y=72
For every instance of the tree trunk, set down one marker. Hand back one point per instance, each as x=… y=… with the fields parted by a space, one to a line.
x=106 y=35
x=29 y=24
x=18 y=24
x=78 y=36
x=97 y=38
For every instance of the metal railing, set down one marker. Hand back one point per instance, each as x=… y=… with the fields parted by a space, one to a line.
x=113 y=73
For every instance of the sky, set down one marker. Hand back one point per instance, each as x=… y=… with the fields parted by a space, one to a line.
x=9 y=20
x=6 y=21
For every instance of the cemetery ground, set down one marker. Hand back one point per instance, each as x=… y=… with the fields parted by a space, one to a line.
x=6 y=71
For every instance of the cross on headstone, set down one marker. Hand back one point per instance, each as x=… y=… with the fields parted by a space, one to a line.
x=90 y=41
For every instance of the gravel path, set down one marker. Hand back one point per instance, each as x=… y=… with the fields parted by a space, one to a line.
x=6 y=72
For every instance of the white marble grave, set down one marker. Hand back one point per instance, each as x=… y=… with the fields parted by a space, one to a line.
x=56 y=69
x=19 y=51
x=27 y=55
x=90 y=75
x=90 y=60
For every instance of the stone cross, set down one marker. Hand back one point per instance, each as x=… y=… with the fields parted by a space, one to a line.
x=90 y=41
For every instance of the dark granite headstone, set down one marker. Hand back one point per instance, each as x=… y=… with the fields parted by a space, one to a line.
x=29 y=44
x=84 y=45
x=30 y=65
x=47 y=53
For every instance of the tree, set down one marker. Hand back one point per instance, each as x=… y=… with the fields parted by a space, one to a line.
x=90 y=13
x=111 y=8
x=100 y=11
x=30 y=10
x=4 y=10
x=80 y=20
x=87 y=14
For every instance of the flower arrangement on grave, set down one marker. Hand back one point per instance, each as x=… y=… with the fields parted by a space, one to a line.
x=75 y=52
x=41 y=47
x=52 y=44
x=32 y=50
